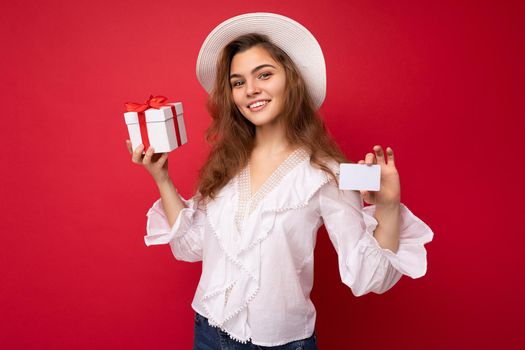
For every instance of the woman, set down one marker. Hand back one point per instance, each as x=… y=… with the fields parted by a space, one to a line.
x=269 y=183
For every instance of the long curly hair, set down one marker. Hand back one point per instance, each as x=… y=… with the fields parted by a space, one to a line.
x=232 y=136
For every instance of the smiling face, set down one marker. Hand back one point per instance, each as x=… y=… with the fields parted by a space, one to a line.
x=258 y=85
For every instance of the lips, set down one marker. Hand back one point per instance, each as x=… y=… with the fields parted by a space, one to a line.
x=258 y=105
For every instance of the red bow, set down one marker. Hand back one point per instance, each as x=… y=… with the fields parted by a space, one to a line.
x=153 y=102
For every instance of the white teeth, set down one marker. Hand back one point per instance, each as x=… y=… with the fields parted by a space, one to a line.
x=258 y=104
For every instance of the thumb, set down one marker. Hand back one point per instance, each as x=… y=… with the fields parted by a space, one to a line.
x=365 y=196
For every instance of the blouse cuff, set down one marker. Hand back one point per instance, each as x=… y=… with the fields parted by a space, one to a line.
x=411 y=257
x=158 y=230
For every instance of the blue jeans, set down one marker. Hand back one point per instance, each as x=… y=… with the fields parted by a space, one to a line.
x=207 y=337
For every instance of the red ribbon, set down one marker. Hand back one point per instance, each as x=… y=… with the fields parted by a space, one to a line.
x=153 y=102
x=176 y=122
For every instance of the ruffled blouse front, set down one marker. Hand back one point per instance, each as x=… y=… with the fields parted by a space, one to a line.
x=257 y=251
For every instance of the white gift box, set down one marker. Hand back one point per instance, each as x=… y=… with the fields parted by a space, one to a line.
x=164 y=132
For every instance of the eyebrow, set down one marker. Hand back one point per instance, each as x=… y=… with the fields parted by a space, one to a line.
x=253 y=70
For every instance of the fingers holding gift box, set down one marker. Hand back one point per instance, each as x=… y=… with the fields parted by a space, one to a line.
x=156 y=123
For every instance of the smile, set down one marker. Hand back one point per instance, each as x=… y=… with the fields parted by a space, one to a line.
x=257 y=106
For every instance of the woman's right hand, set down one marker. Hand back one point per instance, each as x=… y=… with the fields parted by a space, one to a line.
x=155 y=164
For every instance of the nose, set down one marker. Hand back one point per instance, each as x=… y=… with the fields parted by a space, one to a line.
x=252 y=88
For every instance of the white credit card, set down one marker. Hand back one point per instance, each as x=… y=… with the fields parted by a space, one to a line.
x=359 y=177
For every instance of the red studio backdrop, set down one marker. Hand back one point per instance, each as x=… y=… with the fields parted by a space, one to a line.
x=437 y=81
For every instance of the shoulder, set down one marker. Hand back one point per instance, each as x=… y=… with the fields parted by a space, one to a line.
x=329 y=188
x=327 y=165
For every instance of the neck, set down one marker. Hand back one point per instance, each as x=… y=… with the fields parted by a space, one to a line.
x=270 y=139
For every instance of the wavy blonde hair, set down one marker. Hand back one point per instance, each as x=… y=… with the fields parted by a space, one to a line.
x=232 y=136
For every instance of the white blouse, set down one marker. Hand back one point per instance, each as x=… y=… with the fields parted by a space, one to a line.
x=257 y=251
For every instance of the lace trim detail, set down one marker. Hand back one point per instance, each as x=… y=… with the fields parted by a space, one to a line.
x=247 y=202
x=243 y=268
x=227 y=293
x=231 y=336
x=244 y=197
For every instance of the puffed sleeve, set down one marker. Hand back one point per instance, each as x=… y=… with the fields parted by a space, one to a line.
x=185 y=237
x=363 y=265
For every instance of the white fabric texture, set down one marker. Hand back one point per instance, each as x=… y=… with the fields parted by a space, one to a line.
x=256 y=279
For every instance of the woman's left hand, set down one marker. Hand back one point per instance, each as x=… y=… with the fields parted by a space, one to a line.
x=389 y=194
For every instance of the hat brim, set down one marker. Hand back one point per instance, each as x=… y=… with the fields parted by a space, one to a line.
x=294 y=39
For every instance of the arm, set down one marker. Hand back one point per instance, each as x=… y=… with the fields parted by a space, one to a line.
x=387 y=230
x=364 y=265
x=172 y=219
x=185 y=236
x=387 y=200
x=171 y=201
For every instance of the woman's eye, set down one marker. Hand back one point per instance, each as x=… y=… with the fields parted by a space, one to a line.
x=237 y=83
x=264 y=75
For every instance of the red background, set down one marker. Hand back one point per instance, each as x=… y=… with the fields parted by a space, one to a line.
x=438 y=81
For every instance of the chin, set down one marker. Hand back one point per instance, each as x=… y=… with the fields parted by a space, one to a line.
x=261 y=122
x=257 y=120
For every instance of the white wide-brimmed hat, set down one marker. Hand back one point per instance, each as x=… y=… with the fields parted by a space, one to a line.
x=290 y=36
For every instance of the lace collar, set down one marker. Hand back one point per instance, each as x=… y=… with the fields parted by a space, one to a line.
x=247 y=202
